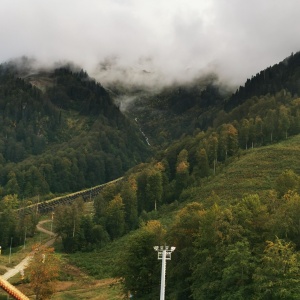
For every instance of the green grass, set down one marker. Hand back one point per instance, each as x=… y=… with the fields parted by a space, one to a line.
x=254 y=171
x=92 y=291
x=101 y=263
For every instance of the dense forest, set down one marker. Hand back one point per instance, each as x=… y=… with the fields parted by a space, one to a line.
x=239 y=245
x=62 y=139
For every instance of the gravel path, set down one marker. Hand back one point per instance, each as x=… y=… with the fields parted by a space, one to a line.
x=22 y=265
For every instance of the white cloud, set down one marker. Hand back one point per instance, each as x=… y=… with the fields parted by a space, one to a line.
x=173 y=38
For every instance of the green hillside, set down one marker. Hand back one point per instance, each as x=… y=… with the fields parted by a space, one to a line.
x=222 y=184
x=253 y=172
x=179 y=109
x=61 y=132
x=184 y=108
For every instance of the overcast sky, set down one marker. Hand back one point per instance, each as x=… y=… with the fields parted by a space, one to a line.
x=175 y=39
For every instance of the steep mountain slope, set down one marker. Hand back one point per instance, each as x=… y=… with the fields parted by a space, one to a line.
x=284 y=75
x=177 y=110
x=254 y=172
x=182 y=109
x=61 y=132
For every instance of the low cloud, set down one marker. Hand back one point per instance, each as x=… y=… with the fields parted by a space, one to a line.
x=152 y=42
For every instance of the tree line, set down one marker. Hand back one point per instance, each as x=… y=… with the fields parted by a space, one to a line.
x=246 y=250
x=272 y=80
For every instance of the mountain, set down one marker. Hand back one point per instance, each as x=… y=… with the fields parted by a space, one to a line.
x=284 y=75
x=169 y=113
x=180 y=109
x=221 y=185
x=225 y=193
x=61 y=132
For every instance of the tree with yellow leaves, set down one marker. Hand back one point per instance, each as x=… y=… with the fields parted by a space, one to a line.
x=182 y=171
x=43 y=271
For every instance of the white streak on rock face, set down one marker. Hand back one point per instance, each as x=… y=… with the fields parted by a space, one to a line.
x=146 y=138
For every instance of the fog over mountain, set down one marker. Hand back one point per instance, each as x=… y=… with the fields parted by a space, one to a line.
x=152 y=41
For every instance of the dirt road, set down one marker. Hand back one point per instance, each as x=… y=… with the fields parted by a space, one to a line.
x=22 y=265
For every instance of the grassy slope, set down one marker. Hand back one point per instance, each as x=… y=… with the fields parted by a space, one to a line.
x=254 y=171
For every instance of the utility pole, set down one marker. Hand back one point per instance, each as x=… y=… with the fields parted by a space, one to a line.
x=10 y=250
x=25 y=236
x=37 y=204
x=52 y=214
x=74 y=228
x=164 y=254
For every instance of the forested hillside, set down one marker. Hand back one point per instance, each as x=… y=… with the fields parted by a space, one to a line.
x=284 y=75
x=61 y=132
x=222 y=185
x=238 y=180
x=186 y=107
x=206 y=102
x=235 y=233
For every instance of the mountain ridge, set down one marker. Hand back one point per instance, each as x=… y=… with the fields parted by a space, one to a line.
x=72 y=114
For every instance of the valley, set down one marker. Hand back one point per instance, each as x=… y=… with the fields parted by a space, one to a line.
x=211 y=172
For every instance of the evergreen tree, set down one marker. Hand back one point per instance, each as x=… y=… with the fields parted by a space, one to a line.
x=12 y=186
x=212 y=151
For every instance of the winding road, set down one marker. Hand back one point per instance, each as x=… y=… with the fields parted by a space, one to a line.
x=22 y=265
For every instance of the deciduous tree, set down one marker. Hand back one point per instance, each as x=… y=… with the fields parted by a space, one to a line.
x=115 y=217
x=43 y=271
x=278 y=276
x=288 y=180
x=138 y=267
x=182 y=171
